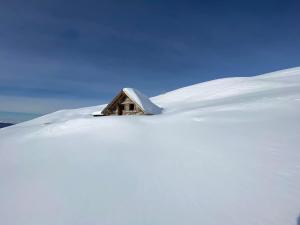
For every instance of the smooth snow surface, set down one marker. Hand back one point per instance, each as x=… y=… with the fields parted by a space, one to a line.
x=222 y=152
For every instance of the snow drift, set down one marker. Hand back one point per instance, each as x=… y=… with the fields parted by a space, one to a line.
x=222 y=152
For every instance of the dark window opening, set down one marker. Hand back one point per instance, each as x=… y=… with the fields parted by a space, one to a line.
x=122 y=107
x=131 y=107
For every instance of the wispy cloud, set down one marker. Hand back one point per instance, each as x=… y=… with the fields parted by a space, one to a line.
x=42 y=105
x=17 y=117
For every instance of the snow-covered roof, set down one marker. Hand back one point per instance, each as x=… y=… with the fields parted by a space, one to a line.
x=142 y=101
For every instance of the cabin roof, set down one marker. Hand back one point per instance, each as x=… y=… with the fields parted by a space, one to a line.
x=142 y=101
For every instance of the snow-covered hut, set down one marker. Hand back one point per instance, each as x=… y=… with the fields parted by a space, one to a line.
x=130 y=101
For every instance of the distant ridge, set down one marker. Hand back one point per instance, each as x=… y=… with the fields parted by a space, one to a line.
x=3 y=124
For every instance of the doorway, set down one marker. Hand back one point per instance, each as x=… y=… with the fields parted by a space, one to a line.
x=121 y=110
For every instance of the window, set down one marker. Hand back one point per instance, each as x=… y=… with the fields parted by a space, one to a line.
x=131 y=107
x=122 y=107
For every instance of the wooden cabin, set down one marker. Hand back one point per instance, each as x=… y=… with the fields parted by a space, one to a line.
x=130 y=101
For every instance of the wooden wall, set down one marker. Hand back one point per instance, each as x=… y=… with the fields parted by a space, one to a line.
x=121 y=106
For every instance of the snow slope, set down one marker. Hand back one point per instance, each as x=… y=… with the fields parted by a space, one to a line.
x=222 y=152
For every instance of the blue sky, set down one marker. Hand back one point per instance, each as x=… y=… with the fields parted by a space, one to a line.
x=57 y=54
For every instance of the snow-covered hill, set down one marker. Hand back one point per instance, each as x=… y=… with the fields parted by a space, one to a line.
x=222 y=152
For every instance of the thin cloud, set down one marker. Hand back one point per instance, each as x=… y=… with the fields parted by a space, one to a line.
x=42 y=105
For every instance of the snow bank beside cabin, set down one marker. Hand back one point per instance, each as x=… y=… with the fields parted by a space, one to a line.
x=222 y=152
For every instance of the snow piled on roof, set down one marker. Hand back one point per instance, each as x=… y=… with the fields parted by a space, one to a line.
x=143 y=101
